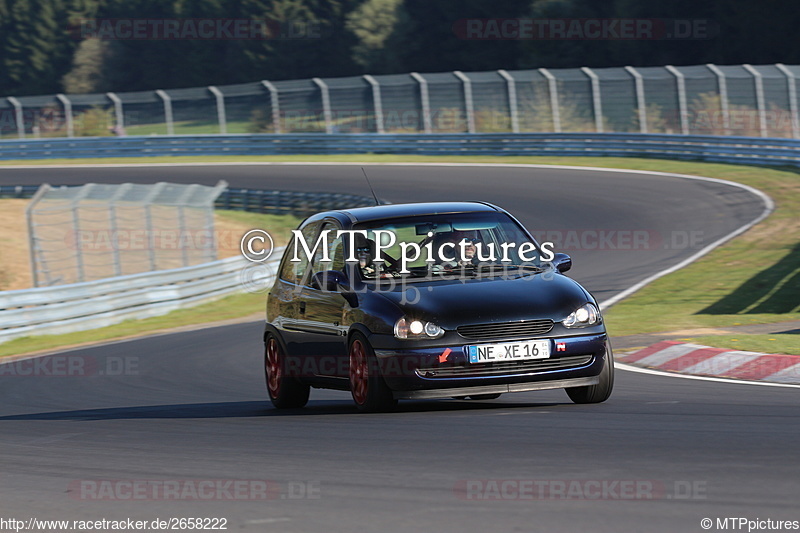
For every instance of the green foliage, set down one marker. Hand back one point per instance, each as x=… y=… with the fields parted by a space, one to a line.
x=41 y=53
x=36 y=45
x=373 y=23
x=94 y=122
x=88 y=68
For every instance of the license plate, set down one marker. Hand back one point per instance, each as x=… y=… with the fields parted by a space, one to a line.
x=509 y=351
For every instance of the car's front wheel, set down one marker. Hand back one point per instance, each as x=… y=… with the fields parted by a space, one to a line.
x=600 y=392
x=369 y=390
x=284 y=391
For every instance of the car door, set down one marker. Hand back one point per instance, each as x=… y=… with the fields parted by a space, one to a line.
x=288 y=292
x=321 y=312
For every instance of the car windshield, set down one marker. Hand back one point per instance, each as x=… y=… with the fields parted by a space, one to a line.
x=439 y=246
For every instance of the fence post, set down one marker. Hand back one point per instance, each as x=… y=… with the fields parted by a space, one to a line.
x=19 y=118
x=553 y=89
x=77 y=228
x=426 y=104
x=223 y=121
x=512 y=100
x=182 y=199
x=722 y=83
x=468 y=104
x=167 y=111
x=117 y=111
x=67 y=114
x=326 y=104
x=640 y=101
x=377 y=102
x=148 y=222
x=32 y=244
x=790 y=80
x=597 y=103
x=275 y=104
x=112 y=223
x=681 y=83
x=762 y=112
x=219 y=188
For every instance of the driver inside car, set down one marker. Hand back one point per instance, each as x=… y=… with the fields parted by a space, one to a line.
x=365 y=255
x=453 y=255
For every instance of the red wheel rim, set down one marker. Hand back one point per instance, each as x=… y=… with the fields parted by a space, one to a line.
x=273 y=367
x=359 y=377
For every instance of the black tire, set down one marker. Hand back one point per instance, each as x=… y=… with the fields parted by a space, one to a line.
x=284 y=391
x=600 y=392
x=369 y=390
x=484 y=396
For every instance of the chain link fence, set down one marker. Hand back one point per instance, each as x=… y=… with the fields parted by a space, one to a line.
x=703 y=99
x=98 y=231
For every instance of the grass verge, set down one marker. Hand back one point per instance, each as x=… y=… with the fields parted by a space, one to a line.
x=231 y=307
x=779 y=343
x=753 y=279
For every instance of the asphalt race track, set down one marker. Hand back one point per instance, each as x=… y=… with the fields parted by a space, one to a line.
x=189 y=407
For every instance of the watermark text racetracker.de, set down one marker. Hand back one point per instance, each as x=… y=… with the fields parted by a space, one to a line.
x=578 y=489
x=584 y=29
x=149 y=490
x=210 y=29
x=72 y=366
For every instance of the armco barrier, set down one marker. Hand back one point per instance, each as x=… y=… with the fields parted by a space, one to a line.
x=298 y=203
x=93 y=304
x=742 y=150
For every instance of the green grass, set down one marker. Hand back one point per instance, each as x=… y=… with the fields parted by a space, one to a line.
x=753 y=279
x=780 y=344
x=278 y=226
x=189 y=127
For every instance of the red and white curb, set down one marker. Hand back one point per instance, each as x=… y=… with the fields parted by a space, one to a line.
x=684 y=358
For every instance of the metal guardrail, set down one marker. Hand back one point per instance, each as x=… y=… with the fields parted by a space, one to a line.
x=94 y=304
x=297 y=203
x=740 y=150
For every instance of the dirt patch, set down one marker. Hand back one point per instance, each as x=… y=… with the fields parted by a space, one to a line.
x=15 y=262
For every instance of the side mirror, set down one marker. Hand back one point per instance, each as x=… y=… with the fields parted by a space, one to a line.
x=562 y=262
x=330 y=281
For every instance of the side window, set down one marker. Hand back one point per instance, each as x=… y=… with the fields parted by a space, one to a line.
x=335 y=252
x=293 y=271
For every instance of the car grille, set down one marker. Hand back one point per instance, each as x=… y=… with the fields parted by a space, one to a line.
x=494 y=369
x=526 y=328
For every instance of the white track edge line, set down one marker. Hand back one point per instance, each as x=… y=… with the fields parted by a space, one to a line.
x=640 y=370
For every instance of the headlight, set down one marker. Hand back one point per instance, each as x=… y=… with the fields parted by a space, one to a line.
x=416 y=329
x=585 y=315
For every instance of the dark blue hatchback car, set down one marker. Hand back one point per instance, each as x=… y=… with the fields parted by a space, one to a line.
x=429 y=300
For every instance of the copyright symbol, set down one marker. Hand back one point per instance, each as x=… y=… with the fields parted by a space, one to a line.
x=256 y=278
x=706 y=523
x=256 y=245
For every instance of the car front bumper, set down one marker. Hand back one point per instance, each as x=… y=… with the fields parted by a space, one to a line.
x=444 y=371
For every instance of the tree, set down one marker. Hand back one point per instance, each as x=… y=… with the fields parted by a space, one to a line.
x=373 y=24
x=88 y=68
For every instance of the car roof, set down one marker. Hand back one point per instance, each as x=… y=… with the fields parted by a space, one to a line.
x=378 y=212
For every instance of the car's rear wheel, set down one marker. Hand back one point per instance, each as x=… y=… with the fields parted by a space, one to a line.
x=284 y=391
x=369 y=390
x=600 y=392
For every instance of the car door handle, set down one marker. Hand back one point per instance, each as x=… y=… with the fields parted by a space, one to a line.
x=302 y=308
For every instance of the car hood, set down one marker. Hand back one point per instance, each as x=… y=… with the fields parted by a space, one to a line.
x=451 y=303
